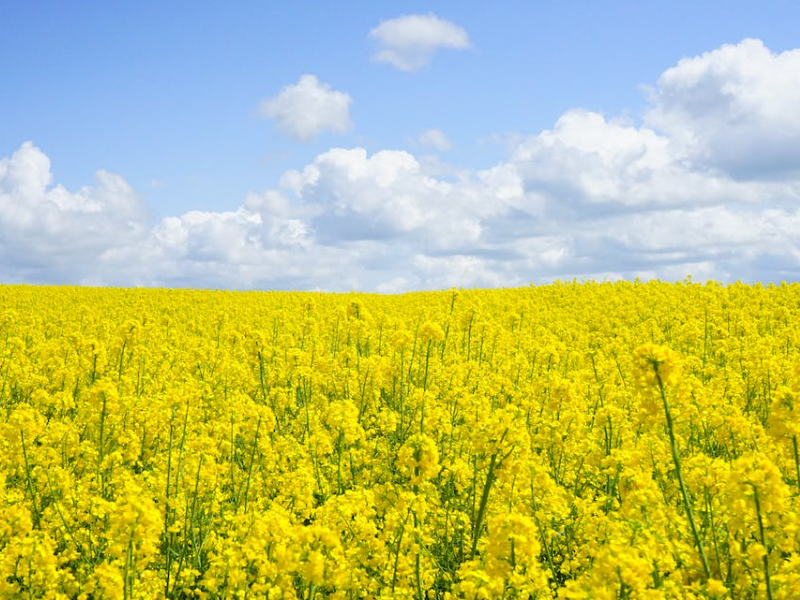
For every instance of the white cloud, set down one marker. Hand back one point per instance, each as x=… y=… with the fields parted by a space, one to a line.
x=304 y=110
x=351 y=195
x=735 y=109
x=590 y=163
x=50 y=234
x=409 y=42
x=593 y=196
x=434 y=138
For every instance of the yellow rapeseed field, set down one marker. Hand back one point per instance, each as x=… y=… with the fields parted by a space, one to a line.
x=572 y=441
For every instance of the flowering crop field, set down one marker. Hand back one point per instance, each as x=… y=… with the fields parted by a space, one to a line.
x=604 y=441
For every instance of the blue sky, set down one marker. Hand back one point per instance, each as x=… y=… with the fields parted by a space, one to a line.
x=202 y=184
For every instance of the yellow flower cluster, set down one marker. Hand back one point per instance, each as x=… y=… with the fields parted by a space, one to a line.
x=655 y=365
x=573 y=442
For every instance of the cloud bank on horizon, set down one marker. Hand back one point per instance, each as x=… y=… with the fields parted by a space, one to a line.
x=705 y=183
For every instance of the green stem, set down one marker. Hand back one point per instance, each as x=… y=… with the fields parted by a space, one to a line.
x=767 y=580
x=417 y=566
x=494 y=462
x=252 y=460
x=476 y=532
x=35 y=509
x=167 y=510
x=101 y=448
x=679 y=472
x=127 y=578
x=121 y=357
x=796 y=461
x=542 y=535
x=397 y=550
x=188 y=528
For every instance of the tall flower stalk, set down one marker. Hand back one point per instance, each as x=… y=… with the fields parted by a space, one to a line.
x=659 y=366
x=676 y=459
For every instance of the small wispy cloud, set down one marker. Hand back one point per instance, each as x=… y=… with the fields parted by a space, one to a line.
x=409 y=42
x=434 y=138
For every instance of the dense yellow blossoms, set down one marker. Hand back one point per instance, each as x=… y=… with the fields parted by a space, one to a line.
x=592 y=441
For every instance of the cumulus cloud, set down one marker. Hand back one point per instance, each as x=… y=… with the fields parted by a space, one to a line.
x=50 y=234
x=349 y=195
x=733 y=109
x=434 y=138
x=409 y=42
x=304 y=110
x=593 y=196
x=592 y=164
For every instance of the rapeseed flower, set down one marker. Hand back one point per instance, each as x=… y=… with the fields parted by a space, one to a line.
x=623 y=440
